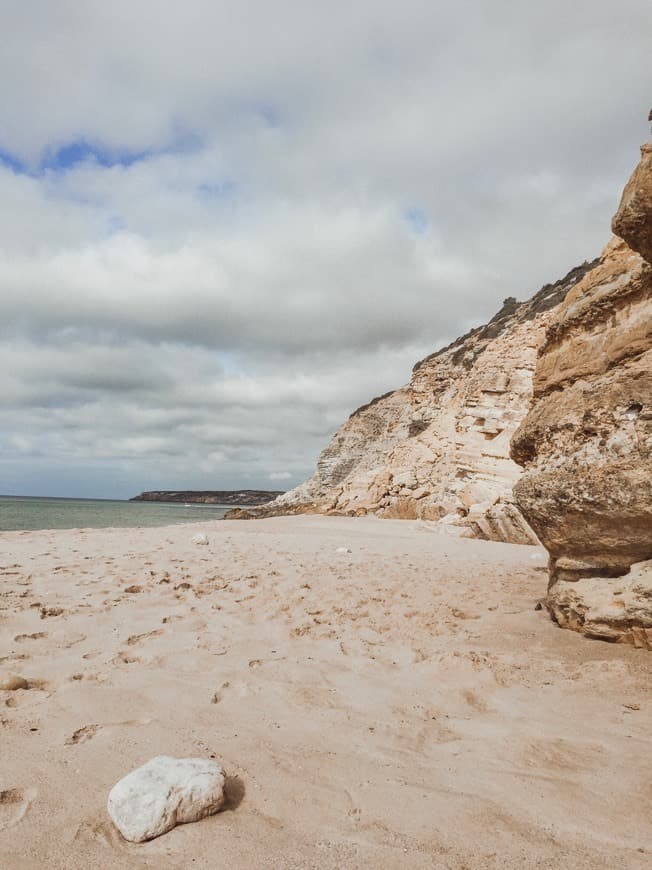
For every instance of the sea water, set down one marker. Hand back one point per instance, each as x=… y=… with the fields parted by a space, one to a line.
x=26 y=512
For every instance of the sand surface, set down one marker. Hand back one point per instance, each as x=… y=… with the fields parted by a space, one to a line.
x=401 y=706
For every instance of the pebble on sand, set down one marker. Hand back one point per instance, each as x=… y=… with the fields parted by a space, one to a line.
x=200 y=539
x=343 y=550
x=163 y=793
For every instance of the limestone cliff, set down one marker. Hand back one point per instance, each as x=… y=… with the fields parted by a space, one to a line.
x=438 y=448
x=586 y=444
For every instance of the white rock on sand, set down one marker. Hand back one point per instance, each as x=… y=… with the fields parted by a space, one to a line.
x=200 y=539
x=163 y=793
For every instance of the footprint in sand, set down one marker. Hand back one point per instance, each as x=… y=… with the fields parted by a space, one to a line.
x=106 y=834
x=475 y=701
x=36 y=636
x=123 y=659
x=217 y=697
x=66 y=639
x=14 y=682
x=82 y=734
x=86 y=732
x=14 y=804
x=355 y=815
x=136 y=638
x=46 y=612
x=14 y=657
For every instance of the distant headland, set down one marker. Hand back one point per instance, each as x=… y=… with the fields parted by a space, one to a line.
x=192 y=496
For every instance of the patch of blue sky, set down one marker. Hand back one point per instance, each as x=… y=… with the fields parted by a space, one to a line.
x=62 y=158
x=417 y=220
x=12 y=162
x=68 y=156
x=81 y=151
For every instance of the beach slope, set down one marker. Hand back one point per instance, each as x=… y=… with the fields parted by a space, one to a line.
x=399 y=705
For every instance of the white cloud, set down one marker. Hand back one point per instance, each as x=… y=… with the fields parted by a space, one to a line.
x=206 y=310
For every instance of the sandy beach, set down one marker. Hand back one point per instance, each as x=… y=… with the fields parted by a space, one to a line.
x=402 y=705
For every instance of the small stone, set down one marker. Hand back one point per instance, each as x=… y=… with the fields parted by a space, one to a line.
x=343 y=550
x=12 y=683
x=163 y=793
x=200 y=539
x=134 y=589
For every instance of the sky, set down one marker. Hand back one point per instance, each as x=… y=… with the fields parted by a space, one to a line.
x=225 y=225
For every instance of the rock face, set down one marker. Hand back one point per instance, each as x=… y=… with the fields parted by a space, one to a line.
x=586 y=444
x=438 y=448
x=632 y=220
x=163 y=793
x=607 y=609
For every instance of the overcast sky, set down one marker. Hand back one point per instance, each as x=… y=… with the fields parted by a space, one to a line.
x=224 y=225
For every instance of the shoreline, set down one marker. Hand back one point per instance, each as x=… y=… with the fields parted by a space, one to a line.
x=399 y=704
x=48 y=514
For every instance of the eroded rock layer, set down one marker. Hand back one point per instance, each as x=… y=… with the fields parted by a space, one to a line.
x=586 y=444
x=438 y=448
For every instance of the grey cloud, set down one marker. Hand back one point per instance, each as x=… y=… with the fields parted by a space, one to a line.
x=340 y=280
x=208 y=314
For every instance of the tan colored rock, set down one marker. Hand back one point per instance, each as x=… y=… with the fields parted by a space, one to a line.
x=586 y=444
x=607 y=609
x=439 y=447
x=632 y=220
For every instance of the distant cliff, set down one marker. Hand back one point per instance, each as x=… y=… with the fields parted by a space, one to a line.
x=438 y=448
x=191 y=496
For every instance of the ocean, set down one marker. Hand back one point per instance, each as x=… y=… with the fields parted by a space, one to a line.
x=26 y=512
